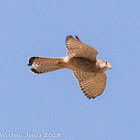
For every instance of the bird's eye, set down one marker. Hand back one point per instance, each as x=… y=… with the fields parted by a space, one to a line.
x=106 y=63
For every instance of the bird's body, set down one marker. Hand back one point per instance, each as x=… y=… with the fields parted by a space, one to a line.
x=81 y=59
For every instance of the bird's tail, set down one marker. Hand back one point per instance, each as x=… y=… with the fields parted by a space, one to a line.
x=45 y=64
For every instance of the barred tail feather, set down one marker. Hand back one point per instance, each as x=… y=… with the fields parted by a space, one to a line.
x=45 y=64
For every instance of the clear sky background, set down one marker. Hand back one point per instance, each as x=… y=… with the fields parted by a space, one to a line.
x=53 y=102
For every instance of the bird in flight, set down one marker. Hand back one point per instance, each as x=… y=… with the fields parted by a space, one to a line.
x=81 y=59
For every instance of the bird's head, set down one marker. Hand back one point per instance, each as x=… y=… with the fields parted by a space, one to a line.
x=104 y=65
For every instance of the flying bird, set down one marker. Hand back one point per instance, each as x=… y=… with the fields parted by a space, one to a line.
x=81 y=59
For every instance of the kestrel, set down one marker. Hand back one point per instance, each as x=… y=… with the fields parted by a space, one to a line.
x=81 y=59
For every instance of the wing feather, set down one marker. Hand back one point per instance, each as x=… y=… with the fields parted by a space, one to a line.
x=92 y=84
x=79 y=49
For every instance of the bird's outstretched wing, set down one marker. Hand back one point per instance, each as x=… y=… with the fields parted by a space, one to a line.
x=92 y=84
x=79 y=49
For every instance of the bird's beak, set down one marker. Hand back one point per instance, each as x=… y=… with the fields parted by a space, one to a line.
x=108 y=65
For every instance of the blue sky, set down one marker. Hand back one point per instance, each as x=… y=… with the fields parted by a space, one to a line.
x=53 y=102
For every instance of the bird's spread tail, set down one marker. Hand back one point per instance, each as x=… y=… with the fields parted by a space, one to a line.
x=45 y=64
